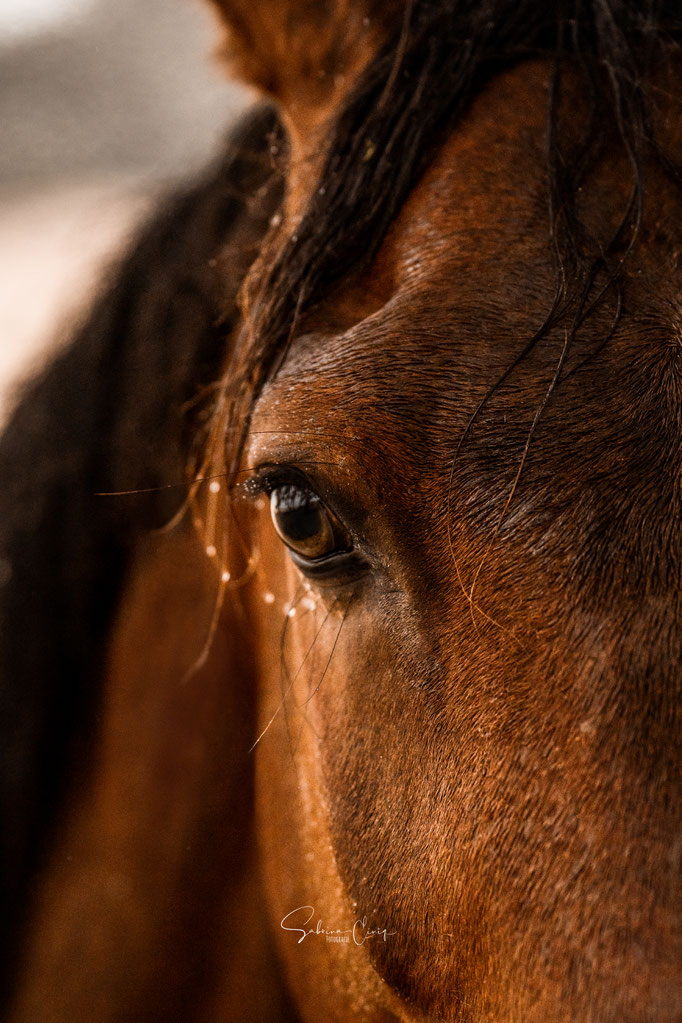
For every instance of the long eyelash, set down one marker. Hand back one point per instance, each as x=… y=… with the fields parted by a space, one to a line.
x=186 y=484
x=266 y=478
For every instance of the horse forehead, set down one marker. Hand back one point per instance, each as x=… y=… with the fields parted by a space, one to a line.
x=487 y=179
x=484 y=190
x=469 y=245
x=466 y=271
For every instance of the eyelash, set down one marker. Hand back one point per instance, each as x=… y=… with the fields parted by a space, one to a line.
x=267 y=478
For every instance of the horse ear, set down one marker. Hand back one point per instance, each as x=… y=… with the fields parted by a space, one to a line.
x=304 y=53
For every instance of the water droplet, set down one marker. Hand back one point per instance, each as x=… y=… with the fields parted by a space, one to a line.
x=370 y=150
x=211 y=551
x=225 y=577
x=269 y=598
x=214 y=486
x=291 y=613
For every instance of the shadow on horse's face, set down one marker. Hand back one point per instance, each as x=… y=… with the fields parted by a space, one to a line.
x=466 y=719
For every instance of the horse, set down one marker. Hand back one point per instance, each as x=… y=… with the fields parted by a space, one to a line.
x=341 y=550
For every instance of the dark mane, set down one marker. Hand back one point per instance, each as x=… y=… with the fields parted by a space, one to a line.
x=107 y=415
x=404 y=105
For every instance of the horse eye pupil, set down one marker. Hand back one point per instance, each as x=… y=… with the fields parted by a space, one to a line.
x=300 y=525
x=297 y=513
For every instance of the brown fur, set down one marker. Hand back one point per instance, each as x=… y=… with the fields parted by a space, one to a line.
x=472 y=745
x=482 y=768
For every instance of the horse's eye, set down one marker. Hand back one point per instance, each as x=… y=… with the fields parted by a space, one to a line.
x=306 y=526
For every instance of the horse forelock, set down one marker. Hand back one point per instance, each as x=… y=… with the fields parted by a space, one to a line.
x=411 y=95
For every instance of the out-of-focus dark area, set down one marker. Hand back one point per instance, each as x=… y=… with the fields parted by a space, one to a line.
x=103 y=105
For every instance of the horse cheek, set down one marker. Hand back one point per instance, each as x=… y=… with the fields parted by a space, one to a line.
x=299 y=867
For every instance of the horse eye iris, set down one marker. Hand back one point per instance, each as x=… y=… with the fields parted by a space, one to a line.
x=302 y=522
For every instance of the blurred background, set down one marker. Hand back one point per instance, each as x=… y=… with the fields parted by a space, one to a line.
x=104 y=104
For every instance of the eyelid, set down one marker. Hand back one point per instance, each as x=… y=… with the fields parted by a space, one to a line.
x=267 y=477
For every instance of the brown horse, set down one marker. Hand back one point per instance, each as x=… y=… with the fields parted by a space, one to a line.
x=380 y=724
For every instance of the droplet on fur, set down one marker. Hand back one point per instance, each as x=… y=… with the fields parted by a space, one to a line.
x=214 y=486
x=211 y=551
x=275 y=220
x=291 y=613
x=269 y=598
x=225 y=576
x=308 y=603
